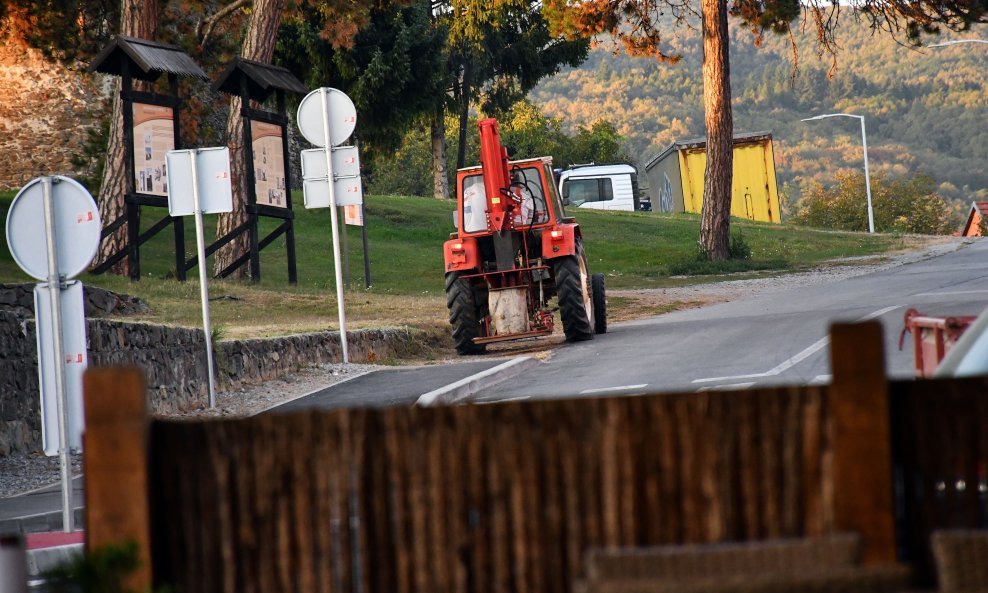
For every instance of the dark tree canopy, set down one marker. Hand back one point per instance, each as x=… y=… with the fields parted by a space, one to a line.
x=64 y=30
x=393 y=69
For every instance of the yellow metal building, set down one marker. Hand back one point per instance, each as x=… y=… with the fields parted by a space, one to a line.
x=675 y=178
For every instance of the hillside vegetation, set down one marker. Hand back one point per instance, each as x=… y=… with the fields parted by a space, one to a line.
x=925 y=109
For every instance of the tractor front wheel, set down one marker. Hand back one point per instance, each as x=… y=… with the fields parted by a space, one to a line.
x=464 y=314
x=575 y=302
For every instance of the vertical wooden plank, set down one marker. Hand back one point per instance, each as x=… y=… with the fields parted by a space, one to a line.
x=750 y=478
x=499 y=436
x=770 y=443
x=115 y=463
x=862 y=466
x=572 y=492
x=430 y=421
x=792 y=487
x=811 y=464
x=304 y=502
x=725 y=460
x=457 y=522
x=669 y=514
x=324 y=468
x=689 y=489
x=610 y=474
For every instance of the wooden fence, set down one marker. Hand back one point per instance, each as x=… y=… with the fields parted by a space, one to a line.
x=508 y=497
x=484 y=499
x=940 y=453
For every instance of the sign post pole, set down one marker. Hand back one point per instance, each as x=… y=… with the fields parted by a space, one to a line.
x=334 y=221
x=54 y=291
x=203 y=278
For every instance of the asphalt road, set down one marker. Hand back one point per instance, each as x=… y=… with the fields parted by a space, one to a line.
x=772 y=339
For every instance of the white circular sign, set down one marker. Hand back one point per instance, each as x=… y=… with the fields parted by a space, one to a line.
x=77 y=228
x=340 y=111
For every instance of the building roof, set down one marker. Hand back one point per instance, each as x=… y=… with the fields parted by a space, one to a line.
x=262 y=79
x=980 y=208
x=148 y=60
x=695 y=143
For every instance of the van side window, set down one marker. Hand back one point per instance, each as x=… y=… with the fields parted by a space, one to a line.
x=581 y=191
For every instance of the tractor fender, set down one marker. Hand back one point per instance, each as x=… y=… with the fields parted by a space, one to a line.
x=461 y=254
x=560 y=240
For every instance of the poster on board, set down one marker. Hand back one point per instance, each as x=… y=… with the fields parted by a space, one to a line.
x=154 y=136
x=269 y=164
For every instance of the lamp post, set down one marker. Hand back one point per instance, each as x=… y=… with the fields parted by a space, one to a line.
x=957 y=41
x=864 y=145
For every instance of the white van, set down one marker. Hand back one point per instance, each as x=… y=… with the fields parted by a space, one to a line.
x=602 y=187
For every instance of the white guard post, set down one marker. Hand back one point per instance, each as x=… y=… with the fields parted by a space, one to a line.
x=199 y=183
x=66 y=216
x=330 y=171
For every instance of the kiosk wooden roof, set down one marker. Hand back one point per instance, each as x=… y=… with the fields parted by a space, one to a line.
x=262 y=80
x=145 y=60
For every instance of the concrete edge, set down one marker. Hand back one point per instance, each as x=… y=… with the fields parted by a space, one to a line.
x=461 y=390
x=42 y=560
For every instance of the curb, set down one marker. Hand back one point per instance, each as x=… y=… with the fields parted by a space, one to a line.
x=42 y=560
x=460 y=391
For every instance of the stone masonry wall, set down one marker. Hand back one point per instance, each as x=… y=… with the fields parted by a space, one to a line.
x=173 y=362
x=45 y=112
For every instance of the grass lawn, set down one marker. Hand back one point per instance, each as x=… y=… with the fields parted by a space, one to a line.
x=633 y=249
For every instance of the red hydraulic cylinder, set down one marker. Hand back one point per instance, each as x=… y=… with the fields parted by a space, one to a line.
x=497 y=181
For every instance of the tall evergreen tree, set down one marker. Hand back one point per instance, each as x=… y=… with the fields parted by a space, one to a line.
x=496 y=53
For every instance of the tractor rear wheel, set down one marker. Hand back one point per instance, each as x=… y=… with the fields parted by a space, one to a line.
x=575 y=302
x=599 y=304
x=464 y=314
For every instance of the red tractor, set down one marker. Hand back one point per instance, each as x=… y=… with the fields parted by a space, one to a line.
x=513 y=251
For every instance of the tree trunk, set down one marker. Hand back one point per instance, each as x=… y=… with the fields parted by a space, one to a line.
x=138 y=18
x=715 y=220
x=464 y=105
x=440 y=179
x=259 y=42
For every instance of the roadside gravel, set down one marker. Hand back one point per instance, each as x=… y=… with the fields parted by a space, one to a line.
x=21 y=473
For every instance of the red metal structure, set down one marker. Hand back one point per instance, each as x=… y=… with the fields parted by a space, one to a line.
x=513 y=251
x=932 y=337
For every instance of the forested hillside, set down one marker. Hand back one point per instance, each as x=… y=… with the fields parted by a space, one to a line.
x=926 y=110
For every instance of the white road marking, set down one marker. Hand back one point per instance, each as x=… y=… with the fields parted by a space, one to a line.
x=729 y=387
x=501 y=401
x=952 y=292
x=798 y=358
x=821 y=379
x=610 y=389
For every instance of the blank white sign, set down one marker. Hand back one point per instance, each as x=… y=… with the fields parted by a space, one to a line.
x=213 y=174
x=76 y=360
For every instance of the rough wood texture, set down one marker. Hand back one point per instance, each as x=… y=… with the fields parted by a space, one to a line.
x=484 y=499
x=941 y=452
x=115 y=465
x=862 y=439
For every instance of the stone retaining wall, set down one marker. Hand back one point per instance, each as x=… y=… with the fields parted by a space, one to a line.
x=173 y=362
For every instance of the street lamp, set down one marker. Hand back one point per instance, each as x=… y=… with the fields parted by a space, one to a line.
x=864 y=144
x=956 y=41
